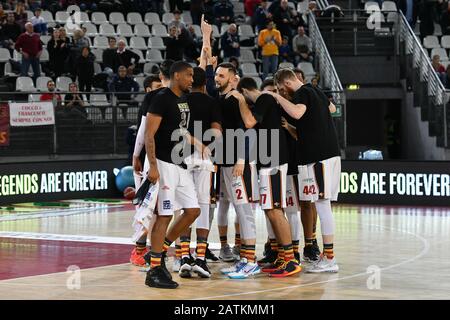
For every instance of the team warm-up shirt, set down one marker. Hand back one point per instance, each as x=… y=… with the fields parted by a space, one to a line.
x=203 y=109
x=175 y=115
x=143 y=110
x=317 y=134
x=268 y=114
x=292 y=146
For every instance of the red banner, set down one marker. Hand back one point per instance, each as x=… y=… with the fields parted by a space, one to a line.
x=4 y=125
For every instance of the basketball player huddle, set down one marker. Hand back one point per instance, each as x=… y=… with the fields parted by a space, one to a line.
x=193 y=164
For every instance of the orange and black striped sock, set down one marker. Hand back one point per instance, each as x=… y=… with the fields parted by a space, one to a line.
x=140 y=247
x=243 y=251
x=155 y=259
x=178 y=251
x=166 y=244
x=296 y=246
x=308 y=242
x=223 y=241
x=250 y=253
x=185 y=243
x=288 y=252
x=280 y=253
x=314 y=236
x=201 y=248
x=273 y=244
x=328 y=250
x=237 y=239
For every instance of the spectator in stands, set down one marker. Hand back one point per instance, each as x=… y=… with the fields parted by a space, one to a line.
x=63 y=36
x=175 y=5
x=229 y=43
x=261 y=16
x=58 y=51
x=126 y=58
x=84 y=69
x=33 y=5
x=29 y=44
x=250 y=7
x=235 y=61
x=10 y=31
x=177 y=20
x=286 y=54
x=302 y=46
x=409 y=9
x=312 y=8
x=223 y=12
x=87 y=5
x=73 y=99
x=269 y=40
x=283 y=18
x=51 y=95
x=444 y=17
x=39 y=24
x=123 y=83
x=20 y=14
x=175 y=44
x=194 y=45
x=426 y=11
x=152 y=82
x=197 y=9
x=3 y=15
x=109 y=55
x=438 y=67
x=315 y=82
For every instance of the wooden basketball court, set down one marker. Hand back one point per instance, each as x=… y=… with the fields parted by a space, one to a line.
x=383 y=253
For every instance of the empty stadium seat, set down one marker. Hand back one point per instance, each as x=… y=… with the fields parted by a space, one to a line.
x=239 y=8
x=388 y=6
x=139 y=53
x=45 y=39
x=258 y=81
x=154 y=55
x=286 y=65
x=94 y=114
x=149 y=66
x=197 y=30
x=140 y=81
x=4 y=55
x=431 y=42
x=246 y=31
x=224 y=28
x=44 y=56
x=61 y=17
x=25 y=84
x=41 y=83
x=116 y=18
x=134 y=18
x=156 y=43
x=186 y=17
x=97 y=68
x=100 y=42
x=125 y=30
x=84 y=18
x=307 y=68
x=215 y=31
x=249 y=70
x=142 y=30
x=8 y=71
x=107 y=30
x=152 y=18
x=371 y=6
x=167 y=18
x=247 y=56
x=441 y=52
x=445 y=42
x=159 y=30
x=99 y=100
x=34 y=97
x=302 y=6
x=392 y=17
x=48 y=16
x=437 y=30
x=30 y=14
x=62 y=83
x=99 y=18
x=91 y=29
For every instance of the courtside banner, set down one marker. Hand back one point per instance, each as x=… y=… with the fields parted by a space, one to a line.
x=31 y=114
x=395 y=183
x=4 y=125
x=62 y=180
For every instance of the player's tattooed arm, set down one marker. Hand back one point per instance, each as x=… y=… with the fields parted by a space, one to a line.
x=246 y=114
x=152 y=125
x=296 y=111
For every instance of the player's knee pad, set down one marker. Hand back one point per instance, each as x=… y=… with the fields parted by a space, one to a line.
x=323 y=208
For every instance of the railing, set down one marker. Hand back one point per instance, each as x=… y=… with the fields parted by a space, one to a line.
x=101 y=126
x=329 y=78
x=420 y=59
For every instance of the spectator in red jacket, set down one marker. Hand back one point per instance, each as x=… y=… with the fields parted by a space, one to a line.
x=51 y=95
x=250 y=6
x=30 y=46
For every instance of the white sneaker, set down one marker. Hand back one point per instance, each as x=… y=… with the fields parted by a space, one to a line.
x=324 y=265
x=249 y=269
x=235 y=267
x=176 y=265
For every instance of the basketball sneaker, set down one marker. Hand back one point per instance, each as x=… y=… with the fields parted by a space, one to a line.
x=176 y=265
x=287 y=269
x=247 y=270
x=226 y=254
x=270 y=257
x=158 y=278
x=201 y=269
x=137 y=259
x=324 y=265
x=273 y=266
x=297 y=256
x=267 y=248
x=316 y=248
x=210 y=255
x=237 y=253
x=309 y=254
x=185 y=268
x=235 y=267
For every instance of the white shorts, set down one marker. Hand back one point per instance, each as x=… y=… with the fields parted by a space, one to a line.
x=223 y=192
x=320 y=180
x=243 y=189
x=203 y=182
x=272 y=187
x=292 y=199
x=176 y=189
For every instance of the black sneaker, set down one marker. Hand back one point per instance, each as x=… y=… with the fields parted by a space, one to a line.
x=297 y=256
x=267 y=248
x=316 y=247
x=309 y=254
x=147 y=258
x=185 y=268
x=201 y=268
x=210 y=256
x=270 y=257
x=158 y=278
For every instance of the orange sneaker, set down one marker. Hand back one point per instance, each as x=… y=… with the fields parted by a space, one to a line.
x=288 y=268
x=273 y=266
x=137 y=259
